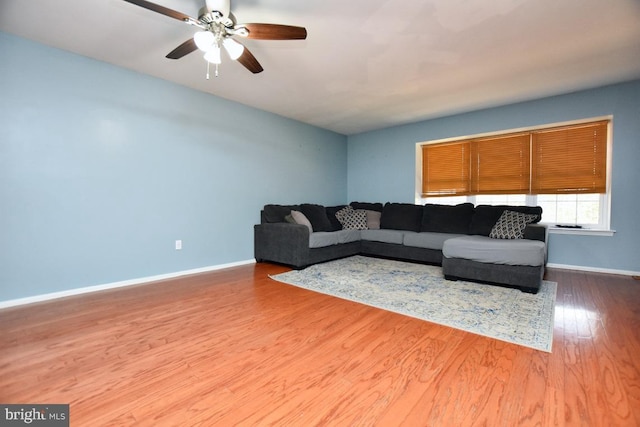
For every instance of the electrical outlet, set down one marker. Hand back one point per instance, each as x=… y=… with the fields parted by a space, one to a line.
x=178 y=245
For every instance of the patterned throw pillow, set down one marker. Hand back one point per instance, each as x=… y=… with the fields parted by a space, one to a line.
x=511 y=225
x=352 y=219
x=342 y=214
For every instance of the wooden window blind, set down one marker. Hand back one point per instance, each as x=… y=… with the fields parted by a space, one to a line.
x=446 y=169
x=501 y=164
x=569 y=159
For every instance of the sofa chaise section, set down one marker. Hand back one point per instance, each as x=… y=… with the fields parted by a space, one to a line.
x=512 y=262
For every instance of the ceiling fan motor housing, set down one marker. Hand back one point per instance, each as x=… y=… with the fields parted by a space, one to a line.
x=218 y=26
x=220 y=8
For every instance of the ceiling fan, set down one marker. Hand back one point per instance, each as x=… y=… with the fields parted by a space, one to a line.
x=218 y=28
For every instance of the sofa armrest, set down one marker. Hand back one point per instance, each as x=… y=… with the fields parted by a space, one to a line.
x=537 y=232
x=282 y=242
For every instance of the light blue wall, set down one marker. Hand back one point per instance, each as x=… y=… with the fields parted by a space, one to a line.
x=381 y=164
x=102 y=169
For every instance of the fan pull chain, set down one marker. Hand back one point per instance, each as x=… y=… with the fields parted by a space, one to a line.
x=216 y=71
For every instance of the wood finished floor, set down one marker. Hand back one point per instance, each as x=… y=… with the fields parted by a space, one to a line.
x=234 y=347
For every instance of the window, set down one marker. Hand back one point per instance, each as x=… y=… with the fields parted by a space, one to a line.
x=570 y=159
x=562 y=168
x=583 y=209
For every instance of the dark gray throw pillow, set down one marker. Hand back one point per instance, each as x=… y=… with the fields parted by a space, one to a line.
x=367 y=206
x=317 y=216
x=277 y=213
x=447 y=218
x=331 y=214
x=401 y=216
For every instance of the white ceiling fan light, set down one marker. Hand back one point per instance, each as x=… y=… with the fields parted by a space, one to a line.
x=213 y=55
x=233 y=48
x=205 y=40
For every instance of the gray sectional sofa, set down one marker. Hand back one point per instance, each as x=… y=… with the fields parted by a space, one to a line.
x=472 y=243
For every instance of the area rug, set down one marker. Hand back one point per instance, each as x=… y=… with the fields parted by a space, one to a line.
x=421 y=291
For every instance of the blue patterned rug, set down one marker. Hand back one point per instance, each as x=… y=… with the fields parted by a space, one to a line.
x=421 y=291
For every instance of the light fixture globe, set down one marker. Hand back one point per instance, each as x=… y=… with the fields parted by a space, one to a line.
x=205 y=40
x=213 y=55
x=233 y=48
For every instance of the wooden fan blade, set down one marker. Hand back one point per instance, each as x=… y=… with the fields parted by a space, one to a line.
x=182 y=50
x=250 y=62
x=274 y=32
x=161 y=9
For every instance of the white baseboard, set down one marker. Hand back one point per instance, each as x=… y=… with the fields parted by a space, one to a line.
x=114 y=285
x=151 y=279
x=594 y=269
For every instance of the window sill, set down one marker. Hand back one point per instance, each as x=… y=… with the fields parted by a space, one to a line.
x=581 y=231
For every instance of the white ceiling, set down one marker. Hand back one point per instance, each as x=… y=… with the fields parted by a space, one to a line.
x=366 y=64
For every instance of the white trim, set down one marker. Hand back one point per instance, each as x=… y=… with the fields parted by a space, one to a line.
x=114 y=285
x=581 y=231
x=418 y=184
x=594 y=269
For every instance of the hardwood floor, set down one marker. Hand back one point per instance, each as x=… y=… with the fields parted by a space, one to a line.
x=234 y=347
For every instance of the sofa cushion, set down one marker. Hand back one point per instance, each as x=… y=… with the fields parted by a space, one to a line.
x=301 y=219
x=367 y=206
x=276 y=213
x=331 y=214
x=356 y=220
x=486 y=216
x=317 y=216
x=352 y=219
x=447 y=218
x=495 y=251
x=321 y=239
x=511 y=225
x=428 y=240
x=401 y=216
x=373 y=219
x=384 y=236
